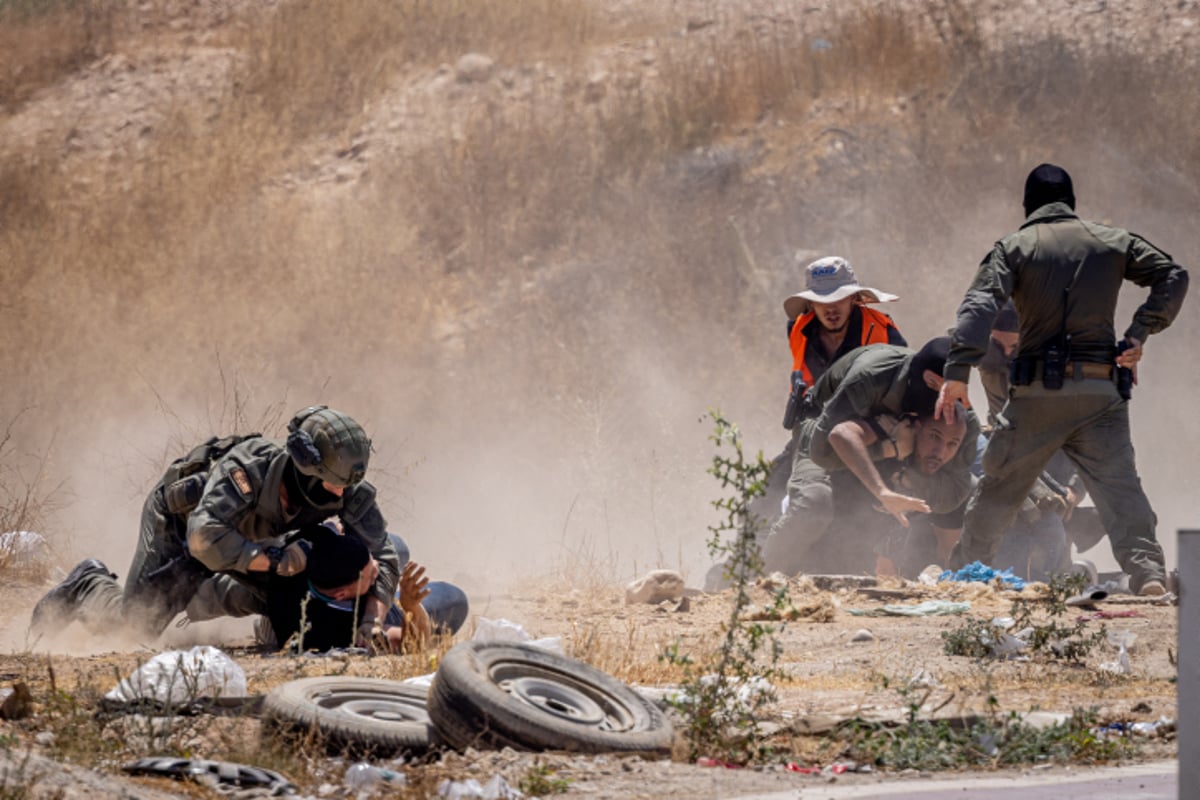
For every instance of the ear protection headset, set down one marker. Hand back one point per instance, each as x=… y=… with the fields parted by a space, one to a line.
x=300 y=445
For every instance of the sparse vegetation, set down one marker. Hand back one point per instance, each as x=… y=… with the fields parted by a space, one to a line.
x=540 y=780
x=1050 y=637
x=723 y=696
x=997 y=739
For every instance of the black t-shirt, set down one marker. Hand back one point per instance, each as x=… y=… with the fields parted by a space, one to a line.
x=331 y=623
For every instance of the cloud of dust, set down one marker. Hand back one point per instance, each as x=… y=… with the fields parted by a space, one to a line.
x=547 y=417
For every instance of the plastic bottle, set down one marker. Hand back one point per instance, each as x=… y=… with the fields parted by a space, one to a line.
x=364 y=776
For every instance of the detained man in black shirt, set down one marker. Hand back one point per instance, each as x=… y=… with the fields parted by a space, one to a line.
x=329 y=599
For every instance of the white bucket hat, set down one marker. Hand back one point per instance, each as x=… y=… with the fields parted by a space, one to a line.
x=831 y=279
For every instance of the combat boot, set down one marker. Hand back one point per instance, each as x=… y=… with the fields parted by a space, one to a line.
x=60 y=606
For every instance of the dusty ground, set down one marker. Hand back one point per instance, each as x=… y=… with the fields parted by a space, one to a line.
x=828 y=677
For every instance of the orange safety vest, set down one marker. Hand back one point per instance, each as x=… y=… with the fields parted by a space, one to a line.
x=875 y=326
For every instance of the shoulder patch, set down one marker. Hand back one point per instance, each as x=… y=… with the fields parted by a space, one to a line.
x=240 y=480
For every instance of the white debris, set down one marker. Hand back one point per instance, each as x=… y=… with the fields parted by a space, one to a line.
x=654 y=587
x=178 y=677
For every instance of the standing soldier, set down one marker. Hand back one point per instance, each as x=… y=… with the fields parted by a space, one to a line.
x=1071 y=379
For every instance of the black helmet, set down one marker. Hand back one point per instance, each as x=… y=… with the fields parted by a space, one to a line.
x=328 y=445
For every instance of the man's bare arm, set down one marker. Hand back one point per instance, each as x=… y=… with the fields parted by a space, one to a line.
x=851 y=441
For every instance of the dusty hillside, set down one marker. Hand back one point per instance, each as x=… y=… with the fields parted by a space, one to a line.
x=531 y=271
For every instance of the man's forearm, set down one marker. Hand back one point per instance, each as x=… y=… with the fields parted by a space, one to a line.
x=851 y=442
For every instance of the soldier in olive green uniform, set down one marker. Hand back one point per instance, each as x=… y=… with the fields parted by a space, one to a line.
x=225 y=508
x=1068 y=387
x=877 y=388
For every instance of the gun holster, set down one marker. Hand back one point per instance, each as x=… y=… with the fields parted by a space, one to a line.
x=1124 y=374
x=796 y=403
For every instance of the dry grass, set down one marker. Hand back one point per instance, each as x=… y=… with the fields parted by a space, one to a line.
x=512 y=182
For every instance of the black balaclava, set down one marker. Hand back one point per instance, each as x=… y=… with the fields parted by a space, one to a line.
x=918 y=398
x=336 y=559
x=306 y=490
x=1048 y=183
x=1006 y=319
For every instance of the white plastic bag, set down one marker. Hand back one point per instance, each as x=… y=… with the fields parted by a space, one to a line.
x=502 y=630
x=24 y=549
x=178 y=677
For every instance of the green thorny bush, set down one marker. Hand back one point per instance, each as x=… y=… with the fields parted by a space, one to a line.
x=722 y=696
x=990 y=740
x=1051 y=638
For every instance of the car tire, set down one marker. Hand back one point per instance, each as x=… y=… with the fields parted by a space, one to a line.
x=502 y=694
x=361 y=715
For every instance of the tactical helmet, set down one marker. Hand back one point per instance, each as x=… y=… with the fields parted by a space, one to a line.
x=328 y=445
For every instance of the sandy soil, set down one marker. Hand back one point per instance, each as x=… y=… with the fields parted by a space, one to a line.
x=828 y=677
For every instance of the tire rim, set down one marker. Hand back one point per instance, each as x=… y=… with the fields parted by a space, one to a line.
x=381 y=706
x=562 y=696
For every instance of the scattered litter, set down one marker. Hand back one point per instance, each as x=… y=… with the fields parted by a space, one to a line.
x=503 y=630
x=495 y=789
x=1163 y=726
x=862 y=635
x=930 y=575
x=661 y=696
x=24 y=549
x=978 y=572
x=177 y=677
x=923 y=679
x=1118 y=667
x=1087 y=598
x=364 y=776
x=1123 y=640
x=928 y=608
x=421 y=681
x=705 y=761
x=337 y=652
x=212 y=773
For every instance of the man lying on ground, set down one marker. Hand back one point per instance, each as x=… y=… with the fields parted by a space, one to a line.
x=322 y=607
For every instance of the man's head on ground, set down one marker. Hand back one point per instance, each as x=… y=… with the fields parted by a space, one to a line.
x=1006 y=329
x=328 y=451
x=831 y=291
x=1048 y=183
x=925 y=377
x=339 y=565
x=938 y=441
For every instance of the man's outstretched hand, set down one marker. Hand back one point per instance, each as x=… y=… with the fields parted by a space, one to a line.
x=951 y=392
x=414 y=586
x=901 y=505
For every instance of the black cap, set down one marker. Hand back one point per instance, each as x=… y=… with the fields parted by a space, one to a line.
x=1048 y=183
x=336 y=559
x=918 y=398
